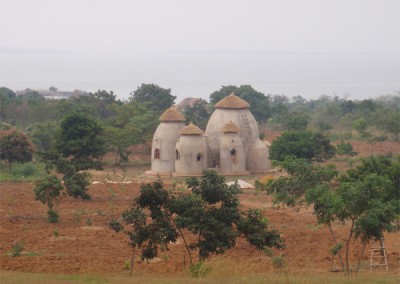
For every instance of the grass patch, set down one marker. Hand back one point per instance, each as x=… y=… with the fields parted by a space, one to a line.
x=30 y=171
x=11 y=277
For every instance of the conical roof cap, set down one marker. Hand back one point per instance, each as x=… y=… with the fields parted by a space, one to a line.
x=230 y=127
x=233 y=102
x=172 y=114
x=191 y=129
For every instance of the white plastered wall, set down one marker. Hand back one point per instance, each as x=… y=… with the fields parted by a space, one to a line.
x=165 y=139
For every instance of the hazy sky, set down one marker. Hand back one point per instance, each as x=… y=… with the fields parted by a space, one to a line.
x=308 y=48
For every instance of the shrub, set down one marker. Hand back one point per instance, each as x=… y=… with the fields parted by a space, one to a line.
x=17 y=249
x=199 y=269
x=52 y=216
x=278 y=261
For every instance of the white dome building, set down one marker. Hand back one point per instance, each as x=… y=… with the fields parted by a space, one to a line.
x=230 y=144
x=232 y=156
x=234 y=109
x=164 y=141
x=191 y=152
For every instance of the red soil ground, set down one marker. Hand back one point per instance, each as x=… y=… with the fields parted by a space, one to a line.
x=82 y=242
x=85 y=244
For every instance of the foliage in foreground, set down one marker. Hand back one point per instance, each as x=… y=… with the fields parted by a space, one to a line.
x=210 y=212
x=366 y=196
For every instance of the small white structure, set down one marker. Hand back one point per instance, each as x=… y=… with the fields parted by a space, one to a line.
x=191 y=152
x=232 y=156
x=230 y=144
x=164 y=142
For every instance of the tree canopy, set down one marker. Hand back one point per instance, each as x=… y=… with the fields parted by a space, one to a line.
x=158 y=99
x=302 y=144
x=15 y=146
x=259 y=103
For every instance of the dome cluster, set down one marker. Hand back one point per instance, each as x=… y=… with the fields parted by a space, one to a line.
x=230 y=143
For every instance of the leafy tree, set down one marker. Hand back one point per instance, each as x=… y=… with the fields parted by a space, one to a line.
x=198 y=113
x=78 y=147
x=42 y=135
x=135 y=124
x=7 y=96
x=296 y=121
x=259 y=103
x=47 y=191
x=157 y=98
x=345 y=149
x=366 y=197
x=361 y=126
x=302 y=144
x=80 y=141
x=15 y=146
x=211 y=212
x=302 y=175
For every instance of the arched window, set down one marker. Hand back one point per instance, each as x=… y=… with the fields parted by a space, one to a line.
x=177 y=155
x=157 y=154
x=198 y=157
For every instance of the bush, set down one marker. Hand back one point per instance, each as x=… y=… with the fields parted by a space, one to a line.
x=17 y=249
x=199 y=269
x=53 y=216
x=278 y=261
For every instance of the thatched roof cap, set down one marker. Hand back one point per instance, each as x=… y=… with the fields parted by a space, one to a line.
x=232 y=101
x=172 y=114
x=191 y=129
x=230 y=127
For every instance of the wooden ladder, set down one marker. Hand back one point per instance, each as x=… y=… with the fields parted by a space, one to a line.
x=249 y=135
x=378 y=253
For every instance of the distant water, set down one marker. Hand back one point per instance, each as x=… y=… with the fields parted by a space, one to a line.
x=198 y=75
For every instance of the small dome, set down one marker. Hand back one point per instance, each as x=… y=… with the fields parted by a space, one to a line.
x=233 y=102
x=230 y=127
x=172 y=114
x=191 y=129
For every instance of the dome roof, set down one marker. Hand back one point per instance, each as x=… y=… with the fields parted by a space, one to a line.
x=172 y=114
x=191 y=129
x=233 y=102
x=230 y=127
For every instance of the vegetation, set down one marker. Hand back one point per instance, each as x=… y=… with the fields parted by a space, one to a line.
x=367 y=197
x=72 y=135
x=210 y=212
x=303 y=145
x=47 y=191
x=15 y=146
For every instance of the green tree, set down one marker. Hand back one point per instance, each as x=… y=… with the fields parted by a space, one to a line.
x=361 y=126
x=210 y=212
x=367 y=197
x=158 y=99
x=135 y=124
x=7 y=97
x=259 y=103
x=296 y=121
x=198 y=113
x=302 y=175
x=78 y=147
x=47 y=190
x=80 y=141
x=42 y=135
x=302 y=144
x=345 y=149
x=15 y=146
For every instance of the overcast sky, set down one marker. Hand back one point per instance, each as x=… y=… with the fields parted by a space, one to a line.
x=308 y=48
